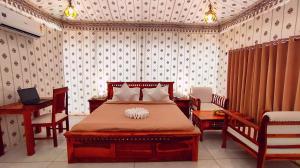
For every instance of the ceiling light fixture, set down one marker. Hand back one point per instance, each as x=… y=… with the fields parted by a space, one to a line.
x=210 y=16
x=70 y=11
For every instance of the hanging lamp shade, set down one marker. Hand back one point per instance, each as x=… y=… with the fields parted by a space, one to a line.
x=70 y=11
x=210 y=16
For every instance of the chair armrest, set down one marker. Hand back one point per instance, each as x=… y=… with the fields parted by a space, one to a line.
x=220 y=101
x=240 y=118
x=283 y=116
x=195 y=103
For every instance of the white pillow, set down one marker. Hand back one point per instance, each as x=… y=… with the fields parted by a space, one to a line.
x=156 y=94
x=125 y=93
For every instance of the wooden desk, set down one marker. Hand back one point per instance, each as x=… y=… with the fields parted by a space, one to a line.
x=26 y=111
x=207 y=120
x=95 y=103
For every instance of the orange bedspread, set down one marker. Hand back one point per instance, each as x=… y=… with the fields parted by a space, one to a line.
x=164 y=116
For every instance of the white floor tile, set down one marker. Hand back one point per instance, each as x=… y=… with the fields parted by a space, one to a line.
x=25 y=165
x=204 y=154
x=228 y=153
x=251 y=163
x=45 y=152
x=199 y=164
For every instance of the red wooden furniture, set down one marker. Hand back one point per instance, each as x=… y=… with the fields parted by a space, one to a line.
x=206 y=120
x=95 y=103
x=184 y=104
x=53 y=121
x=111 y=85
x=210 y=101
x=217 y=100
x=114 y=146
x=277 y=137
x=26 y=111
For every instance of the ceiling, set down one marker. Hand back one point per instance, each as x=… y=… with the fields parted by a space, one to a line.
x=146 y=11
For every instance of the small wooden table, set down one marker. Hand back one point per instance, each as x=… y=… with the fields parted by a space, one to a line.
x=207 y=120
x=95 y=103
x=184 y=104
x=26 y=111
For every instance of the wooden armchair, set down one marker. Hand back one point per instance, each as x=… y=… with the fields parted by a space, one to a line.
x=202 y=98
x=55 y=119
x=277 y=137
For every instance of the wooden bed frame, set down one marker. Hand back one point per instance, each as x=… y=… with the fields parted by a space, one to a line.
x=129 y=146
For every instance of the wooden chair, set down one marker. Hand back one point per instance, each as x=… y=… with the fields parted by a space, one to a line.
x=202 y=98
x=55 y=119
x=276 y=138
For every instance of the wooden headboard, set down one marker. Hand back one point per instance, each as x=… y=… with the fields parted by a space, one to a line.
x=141 y=85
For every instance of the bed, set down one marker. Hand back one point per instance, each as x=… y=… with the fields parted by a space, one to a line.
x=106 y=136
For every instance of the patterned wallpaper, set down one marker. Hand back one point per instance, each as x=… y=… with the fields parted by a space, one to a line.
x=27 y=62
x=93 y=57
x=279 y=22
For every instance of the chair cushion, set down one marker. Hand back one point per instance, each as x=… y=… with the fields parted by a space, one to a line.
x=47 y=118
x=283 y=115
x=203 y=93
x=209 y=107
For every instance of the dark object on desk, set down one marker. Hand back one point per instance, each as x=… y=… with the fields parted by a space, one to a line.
x=30 y=96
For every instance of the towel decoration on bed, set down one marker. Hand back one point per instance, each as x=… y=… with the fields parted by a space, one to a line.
x=136 y=113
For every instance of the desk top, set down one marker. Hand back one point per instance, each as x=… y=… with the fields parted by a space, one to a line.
x=16 y=108
x=207 y=115
x=182 y=98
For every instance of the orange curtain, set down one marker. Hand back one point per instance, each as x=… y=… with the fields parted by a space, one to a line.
x=265 y=78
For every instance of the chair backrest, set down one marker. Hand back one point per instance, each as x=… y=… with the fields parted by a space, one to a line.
x=281 y=130
x=203 y=93
x=60 y=101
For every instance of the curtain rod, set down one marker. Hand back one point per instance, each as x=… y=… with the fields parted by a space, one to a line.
x=283 y=40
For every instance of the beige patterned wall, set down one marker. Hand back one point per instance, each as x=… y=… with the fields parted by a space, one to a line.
x=94 y=57
x=27 y=62
x=279 y=22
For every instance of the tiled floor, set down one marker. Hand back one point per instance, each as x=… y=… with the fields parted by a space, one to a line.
x=211 y=155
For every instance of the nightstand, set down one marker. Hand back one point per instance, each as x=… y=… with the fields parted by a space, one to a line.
x=95 y=103
x=184 y=105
